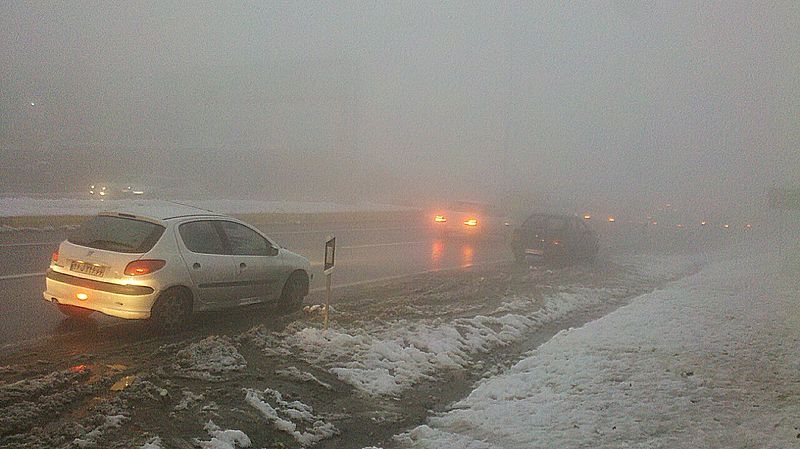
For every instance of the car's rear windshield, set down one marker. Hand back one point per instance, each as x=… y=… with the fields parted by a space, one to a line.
x=548 y=223
x=124 y=235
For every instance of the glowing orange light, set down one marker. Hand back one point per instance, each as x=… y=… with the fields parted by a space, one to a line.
x=78 y=369
x=471 y=222
x=587 y=216
x=611 y=219
x=144 y=266
x=726 y=226
x=82 y=296
x=54 y=257
x=703 y=223
x=556 y=242
x=440 y=219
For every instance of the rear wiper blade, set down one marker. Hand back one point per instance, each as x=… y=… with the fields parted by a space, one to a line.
x=107 y=243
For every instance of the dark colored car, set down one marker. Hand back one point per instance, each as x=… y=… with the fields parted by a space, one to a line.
x=554 y=238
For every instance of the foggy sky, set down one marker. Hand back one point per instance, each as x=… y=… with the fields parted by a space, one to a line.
x=608 y=105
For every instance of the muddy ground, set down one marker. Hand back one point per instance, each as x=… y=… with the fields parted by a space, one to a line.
x=123 y=387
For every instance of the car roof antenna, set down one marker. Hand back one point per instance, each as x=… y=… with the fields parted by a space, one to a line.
x=189 y=205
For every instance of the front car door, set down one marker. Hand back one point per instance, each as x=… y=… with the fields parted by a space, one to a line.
x=207 y=258
x=259 y=272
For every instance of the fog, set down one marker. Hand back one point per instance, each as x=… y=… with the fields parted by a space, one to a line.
x=612 y=106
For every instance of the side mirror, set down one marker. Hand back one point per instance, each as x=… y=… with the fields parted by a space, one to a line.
x=272 y=251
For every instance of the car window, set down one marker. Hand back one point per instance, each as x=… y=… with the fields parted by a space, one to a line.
x=202 y=237
x=245 y=241
x=124 y=235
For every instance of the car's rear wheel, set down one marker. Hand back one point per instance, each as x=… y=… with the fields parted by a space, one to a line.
x=74 y=311
x=295 y=289
x=171 y=311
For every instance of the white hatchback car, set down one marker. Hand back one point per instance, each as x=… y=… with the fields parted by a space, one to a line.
x=164 y=263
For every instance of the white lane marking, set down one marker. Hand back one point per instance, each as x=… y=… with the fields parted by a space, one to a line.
x=377 y=245
x=401 y=276
x=7 y=245
x=21 y=276
x=323 y=231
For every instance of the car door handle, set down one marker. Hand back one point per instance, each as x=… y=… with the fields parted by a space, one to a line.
x=196 y=266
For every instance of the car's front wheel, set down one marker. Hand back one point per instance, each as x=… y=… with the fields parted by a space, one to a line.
x=171 y=311
x=74 y=311
x=295 y=289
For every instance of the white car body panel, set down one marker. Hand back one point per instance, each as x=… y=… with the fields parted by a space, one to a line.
x=216 y=284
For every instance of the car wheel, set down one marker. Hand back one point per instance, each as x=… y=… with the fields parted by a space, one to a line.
x=74 y=311
x=171 y=311
x=295 y=290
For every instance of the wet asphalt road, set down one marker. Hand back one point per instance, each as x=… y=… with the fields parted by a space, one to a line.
x=364 y=254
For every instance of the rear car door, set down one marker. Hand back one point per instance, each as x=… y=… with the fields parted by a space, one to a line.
x=259 y=271
x=207 y=258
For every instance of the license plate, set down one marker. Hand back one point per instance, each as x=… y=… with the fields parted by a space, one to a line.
x=534 y=252
x=87 y=268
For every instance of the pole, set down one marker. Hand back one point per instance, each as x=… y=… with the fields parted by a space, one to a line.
x=327 y=298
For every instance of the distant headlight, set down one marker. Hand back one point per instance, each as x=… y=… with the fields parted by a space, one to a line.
x=471 y=222
x=440 y=219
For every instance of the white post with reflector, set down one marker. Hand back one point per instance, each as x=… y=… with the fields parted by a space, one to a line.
x=327 y=269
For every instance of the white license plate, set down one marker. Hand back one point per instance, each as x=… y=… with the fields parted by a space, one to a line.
x=534 y=252
x=87 y=268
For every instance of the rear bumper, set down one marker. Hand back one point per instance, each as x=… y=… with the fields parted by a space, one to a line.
x=120 y=301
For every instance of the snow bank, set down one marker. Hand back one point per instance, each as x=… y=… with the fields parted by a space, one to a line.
x=20 y=207
x=709 y=361
x=209 y=359
x=387 y=360
x=390 y=361
x=295 y=418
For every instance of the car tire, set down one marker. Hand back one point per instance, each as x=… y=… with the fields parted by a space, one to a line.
x=295 y=289
x=171 y=311
x=74 y=311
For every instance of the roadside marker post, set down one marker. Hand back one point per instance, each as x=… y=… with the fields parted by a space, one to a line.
x=330 y=258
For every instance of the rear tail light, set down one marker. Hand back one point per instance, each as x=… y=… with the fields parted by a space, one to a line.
x=54 y=257
x=144 y=266
x=471 y=222
x=440 y=219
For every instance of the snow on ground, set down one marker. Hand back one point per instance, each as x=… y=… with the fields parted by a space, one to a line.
x=295 y=418
x=387 y=360
x=209 y=359
x=22 y=207
x=223 y=439
x=293 y=373
x=709 y=361
x=91 y=438
x=153 y=443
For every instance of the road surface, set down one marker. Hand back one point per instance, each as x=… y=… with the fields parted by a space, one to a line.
x=365 y=254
